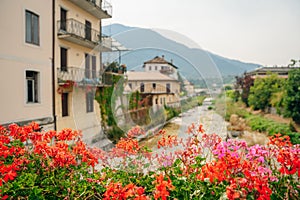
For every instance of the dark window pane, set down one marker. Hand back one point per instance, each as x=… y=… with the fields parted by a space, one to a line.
x=94 y=74
x=63 y=19
x=142 y=87
x=35 y=29
x=89 y=102
x=32 y=28
x=168 y=87
x=88 y=30
x=63 y=59
x=29 y=91
x=64 y=103
x=28 y=27
x=87 y=65
x=32 y=87
x=154 y=85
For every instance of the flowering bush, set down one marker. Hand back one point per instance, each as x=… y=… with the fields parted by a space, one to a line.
x=58 y=165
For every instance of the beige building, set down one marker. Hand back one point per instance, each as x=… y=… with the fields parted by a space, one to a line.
x=78 y=47
x=50 y=59
x=263 y=72
x=159 y=64
x=160 y=88
x=25 y=62
x=189 y=87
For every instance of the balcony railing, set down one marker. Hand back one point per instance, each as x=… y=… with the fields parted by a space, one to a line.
x=81 y=34
x=98 y=8
x=167 y=71
x=78 y=75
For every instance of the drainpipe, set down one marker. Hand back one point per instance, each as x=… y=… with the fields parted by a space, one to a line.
x=53 y=64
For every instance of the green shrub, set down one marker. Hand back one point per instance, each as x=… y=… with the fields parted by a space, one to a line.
x=295 y=137
x=261 y=124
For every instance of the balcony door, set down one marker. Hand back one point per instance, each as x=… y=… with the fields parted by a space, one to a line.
x=63 y=59
x=63 y=19
x=88 y=30
x=94 y=69
x=87 y=66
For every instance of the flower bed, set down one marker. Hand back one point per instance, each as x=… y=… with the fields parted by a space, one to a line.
x=58 y=165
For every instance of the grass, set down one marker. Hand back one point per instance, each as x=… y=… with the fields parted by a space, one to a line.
x=256 y=122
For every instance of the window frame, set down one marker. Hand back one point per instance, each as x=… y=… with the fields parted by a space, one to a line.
x=32 y=28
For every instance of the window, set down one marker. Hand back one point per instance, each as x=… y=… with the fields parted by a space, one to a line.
x=63 y=59
x=154 y=86
x=89 y=102
x=65 y=104
x=130 y=85
x=150 y=68
x=161 y=100
x=32 y=28
x=168 y=87
x=94 y=71
x=155 y=68
x=32 y=87
x=87 y=72
x=88 y=30
x=63 y=19
x=142 y=87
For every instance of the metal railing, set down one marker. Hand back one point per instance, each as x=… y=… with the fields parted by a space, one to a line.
x=78 y=29
x=103 y=5
x=79 y=75
x=166 y=71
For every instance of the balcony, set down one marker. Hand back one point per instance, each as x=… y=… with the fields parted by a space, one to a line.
x=76 y=32
x=98 y=8
x=166 y=71
x=80 y=76
x=105 y=44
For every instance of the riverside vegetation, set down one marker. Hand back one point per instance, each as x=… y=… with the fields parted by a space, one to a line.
x=58 y=165
x=266 y=94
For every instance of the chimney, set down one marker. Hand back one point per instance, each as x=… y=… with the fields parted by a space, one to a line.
x=163 y=56
x=172 y=61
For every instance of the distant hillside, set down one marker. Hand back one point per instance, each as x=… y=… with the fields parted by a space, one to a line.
x=193 y=63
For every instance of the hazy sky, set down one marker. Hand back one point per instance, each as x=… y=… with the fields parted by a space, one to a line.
x=266 y=32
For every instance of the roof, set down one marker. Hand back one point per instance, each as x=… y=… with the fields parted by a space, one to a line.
x=160 y=60
x=148 y=76
x=272 y=69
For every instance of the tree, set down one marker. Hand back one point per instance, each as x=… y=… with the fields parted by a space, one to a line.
x=292 y=98
x=243 y=83
x=263 y=90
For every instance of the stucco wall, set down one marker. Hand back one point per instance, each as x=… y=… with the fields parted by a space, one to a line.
x=17 y=56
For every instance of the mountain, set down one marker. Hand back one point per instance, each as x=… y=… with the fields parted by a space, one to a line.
x=192 y=61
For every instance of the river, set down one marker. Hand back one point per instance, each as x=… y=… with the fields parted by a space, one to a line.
x=211 y=121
